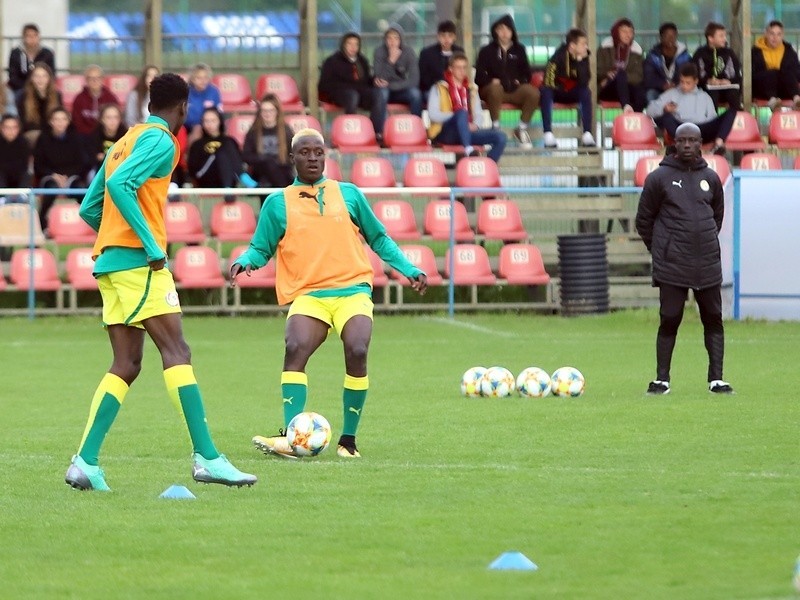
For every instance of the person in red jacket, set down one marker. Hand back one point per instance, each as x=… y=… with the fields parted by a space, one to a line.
x=87 y=104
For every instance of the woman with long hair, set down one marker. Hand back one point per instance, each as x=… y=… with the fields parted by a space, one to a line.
x=39 y=98
x=110 y=128
x=267 y=145
x=215 y=159
x=136 y=104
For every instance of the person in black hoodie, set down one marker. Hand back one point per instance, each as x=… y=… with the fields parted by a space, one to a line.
x=267 y=146
x=59 y=159
x=215 y=160
x=718 y=65
x=503 y=75
x=435 y=59
x=345 y=78
x=110 y=128
x=566 y=79
x=679 y=218
x=25 y=56
x=15 y=154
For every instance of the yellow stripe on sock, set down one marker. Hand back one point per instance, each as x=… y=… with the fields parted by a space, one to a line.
x=356 y=383
x=109 y=384
x=179 y=376
x=294 y=377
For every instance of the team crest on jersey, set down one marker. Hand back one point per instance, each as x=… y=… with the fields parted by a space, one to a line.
x=704 y=185
x=171 y=298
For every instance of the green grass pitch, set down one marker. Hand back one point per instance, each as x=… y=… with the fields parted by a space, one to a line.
x=614 y=494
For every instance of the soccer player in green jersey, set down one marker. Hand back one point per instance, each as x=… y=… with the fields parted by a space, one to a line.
x=125 y=205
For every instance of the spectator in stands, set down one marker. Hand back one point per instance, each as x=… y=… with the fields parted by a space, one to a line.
x=566 y=79
x=664 y=61
x=503 y=75
x=59 y=159
x=775 y=68
x=687 y=103
x=719 y=68
x=620 y=68
x=39 y=97
x=215 y=160
x=110 y=128
x=24 y=57
x=345 y=78
x=15 y=154
x=267 y=146
x=202 y=95
x=8 y=101
x=435 y=59
x=136 y=107
x=86 y=107
x=396 y=77
x=455 y=112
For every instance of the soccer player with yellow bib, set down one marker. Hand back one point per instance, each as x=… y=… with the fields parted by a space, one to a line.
x=125 y=205
x=312 y=229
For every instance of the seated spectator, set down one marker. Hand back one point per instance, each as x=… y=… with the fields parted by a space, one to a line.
x=503 y=75
x=435 y=59
x=15 y=154
x=215 y=160
x=8 y=101
x=455 y=112
x=345 y=77
x=202 y=95
x=620 y=68
x=664 y=61
x=566 y=79
x=267 y=145
x=718 y=66
x=775 y=68
x=59 y=159
x=136 y=106
x=110 y=128
x=396 y=77
x=25 y=56
x=687 y=103
x=86 y=107
x=38 y=99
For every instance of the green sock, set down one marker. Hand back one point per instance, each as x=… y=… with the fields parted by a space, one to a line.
x=105 y=405
x=185 y=394
x=353 y=398
x=294 y=390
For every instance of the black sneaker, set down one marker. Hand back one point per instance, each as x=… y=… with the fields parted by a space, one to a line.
x=720 y=387
x=658 y=388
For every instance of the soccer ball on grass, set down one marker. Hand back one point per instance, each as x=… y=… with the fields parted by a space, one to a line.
x=568 y=382
x=533 y=382
x=471 y=382
x=497 y=382
x=308 y=434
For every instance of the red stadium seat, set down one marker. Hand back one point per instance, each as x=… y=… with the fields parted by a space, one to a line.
x=406 y=133
x=425 y=172
x=298 y=122
x=332 y=169
x=235 y=92
x=284 y=87
x=634 y=131
x=69 y=86
x=521 y=264
x=16 y=222
x=470 y=266
x=79 y=269
x=238 y=126
x=423 y=258
x=437 y=221
x=197 y=267
x=761 y=161
x=373 y=172
x=379 y=277
x=184 y=223
x=644 y=166
x=745 y=134
x=66 y=226
x=42 y=263
x=784 y=130
x=353 y=133
x=260 y=278
x=501 y=220
x=121 y=85
x=720 y=166
x=233 y=221
x=477 y=171
x=398 y=218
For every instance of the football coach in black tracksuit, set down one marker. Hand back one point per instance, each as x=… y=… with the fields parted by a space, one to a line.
x=679 y=218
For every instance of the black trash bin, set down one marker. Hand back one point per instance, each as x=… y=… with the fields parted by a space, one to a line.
x=583 y=269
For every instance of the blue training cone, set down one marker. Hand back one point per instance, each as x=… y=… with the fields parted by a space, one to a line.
x=513 y=561
x=177 y=492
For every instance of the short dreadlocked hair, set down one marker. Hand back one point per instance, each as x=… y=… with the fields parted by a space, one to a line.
x=167 y=91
